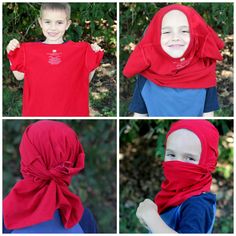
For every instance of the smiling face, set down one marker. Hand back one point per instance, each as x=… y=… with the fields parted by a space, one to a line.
x=183 y=145
x=175 y=36
x=54 y=24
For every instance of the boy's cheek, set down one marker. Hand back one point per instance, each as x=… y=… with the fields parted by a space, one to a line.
x=165 y=39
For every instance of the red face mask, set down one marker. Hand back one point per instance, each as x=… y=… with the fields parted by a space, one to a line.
x=184 y=180
x=195 y=69
x=50 y=154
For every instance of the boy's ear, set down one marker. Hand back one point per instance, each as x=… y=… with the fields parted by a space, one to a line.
x=68 y=24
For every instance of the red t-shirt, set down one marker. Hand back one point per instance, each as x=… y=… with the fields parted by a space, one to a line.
x=56 y=81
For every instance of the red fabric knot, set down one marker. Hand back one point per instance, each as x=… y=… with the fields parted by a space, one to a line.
x=64 y=167
x=61 y=173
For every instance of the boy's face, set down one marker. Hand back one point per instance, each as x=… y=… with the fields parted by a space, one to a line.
x=175 y=35
x=54 y=24
x=183 y=145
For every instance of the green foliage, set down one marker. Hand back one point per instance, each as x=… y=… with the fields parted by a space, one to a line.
x=12 y=102
x=142 y=152
x=91 y=22
x=134 y=19
x=96 y=185
x=100 y=103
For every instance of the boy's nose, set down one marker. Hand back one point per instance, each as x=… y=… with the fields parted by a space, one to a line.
x=53 y=26
x=175 y=38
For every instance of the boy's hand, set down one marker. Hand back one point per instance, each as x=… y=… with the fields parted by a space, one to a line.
x=147 y=213
x=13 y=44
x=96 y=48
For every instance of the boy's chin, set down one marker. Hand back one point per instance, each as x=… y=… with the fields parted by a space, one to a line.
x=176 y=54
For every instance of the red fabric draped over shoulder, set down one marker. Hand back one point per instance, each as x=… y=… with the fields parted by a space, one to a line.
x=195 y=69
x=184 y=180
x=50 y=155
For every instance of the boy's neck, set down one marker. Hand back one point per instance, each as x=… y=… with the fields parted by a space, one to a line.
x=53 y=42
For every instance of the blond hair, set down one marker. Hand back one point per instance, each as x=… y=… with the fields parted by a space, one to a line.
x=56 y=6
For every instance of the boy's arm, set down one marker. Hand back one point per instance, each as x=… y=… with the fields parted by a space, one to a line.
x=95 y=48
x=140 y=115
x=13 y=44
x=208 y=114
x=149 y=217
x=91 y=74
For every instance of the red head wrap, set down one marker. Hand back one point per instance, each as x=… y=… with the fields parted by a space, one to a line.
x=50 y=154
x=195 y=69
x=184 y=180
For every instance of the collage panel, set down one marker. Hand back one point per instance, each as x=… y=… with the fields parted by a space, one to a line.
x=176 y=176
x=176 y=59
x=40 y=157
x=63 y=58
x=69 y=168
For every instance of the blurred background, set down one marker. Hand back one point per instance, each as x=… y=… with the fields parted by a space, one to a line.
x=141 y=155
x=134 y=19
x=91 y=22
x=96 y=184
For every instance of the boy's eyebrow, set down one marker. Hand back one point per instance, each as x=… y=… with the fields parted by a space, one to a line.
x=192 y=155
x=169 y=150
x=169 y=27
x=183 y=26
x=166 y=27
x=56 y=20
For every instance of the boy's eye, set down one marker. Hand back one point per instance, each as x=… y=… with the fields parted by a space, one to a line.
x=191 y=159
x=170 y=155
x=166 y=32
x=185 y=31
x=47 y=22
x=60 y=22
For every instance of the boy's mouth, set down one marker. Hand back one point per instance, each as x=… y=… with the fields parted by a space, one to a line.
x=176 y=46
x=52 y=34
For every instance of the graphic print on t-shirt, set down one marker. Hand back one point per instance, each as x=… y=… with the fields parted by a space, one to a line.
x=54 y=57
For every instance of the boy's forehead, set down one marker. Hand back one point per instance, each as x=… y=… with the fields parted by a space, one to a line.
x=175 y=18
x=185 y=139
x=53 y=13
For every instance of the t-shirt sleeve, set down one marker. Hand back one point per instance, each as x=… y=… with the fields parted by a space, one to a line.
x=137 y=103
x=93 y=59
x=17 y=59
x=196 y=216
x=87 y=222
x=136 y=63
x=211 y=102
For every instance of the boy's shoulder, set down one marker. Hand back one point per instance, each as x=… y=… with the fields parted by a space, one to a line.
x=79 y=43
x=204 y=199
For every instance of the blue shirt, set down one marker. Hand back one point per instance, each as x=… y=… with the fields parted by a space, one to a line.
x=86 y=225
x=195 y=215
x=154 y=100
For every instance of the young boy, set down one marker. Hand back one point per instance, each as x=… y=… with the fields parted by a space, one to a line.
x=56 y=73
x=175 y=63
x=185 y=203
